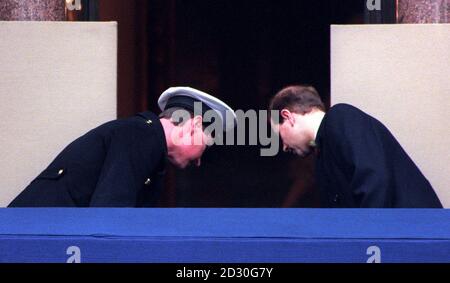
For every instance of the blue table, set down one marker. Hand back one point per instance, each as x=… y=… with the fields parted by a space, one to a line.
x=194 y=235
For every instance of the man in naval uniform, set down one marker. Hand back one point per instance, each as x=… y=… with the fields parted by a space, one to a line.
x=359 y=163
x=122 y=162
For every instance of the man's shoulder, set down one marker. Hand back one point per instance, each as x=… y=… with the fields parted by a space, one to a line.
x=129 y=126
x=344 y=109
x=342 y=117
x=137 y=120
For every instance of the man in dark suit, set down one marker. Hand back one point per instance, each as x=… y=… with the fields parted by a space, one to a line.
x=359 y=162
x=121 y=163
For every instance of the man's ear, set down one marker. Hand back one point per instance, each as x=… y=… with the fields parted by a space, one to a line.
x=287 y=115
x=196 y=123
x=185 y=128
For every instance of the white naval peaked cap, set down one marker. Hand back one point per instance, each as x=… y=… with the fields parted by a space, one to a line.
x=185 y=97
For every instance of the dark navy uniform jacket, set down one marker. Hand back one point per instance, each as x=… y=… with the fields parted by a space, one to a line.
x=118 y=164
x=360 y=164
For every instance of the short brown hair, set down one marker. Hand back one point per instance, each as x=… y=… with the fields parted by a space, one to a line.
x=169 y=112
x=300 y=99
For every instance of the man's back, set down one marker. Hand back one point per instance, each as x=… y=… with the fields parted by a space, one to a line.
x=108 y=166
x=361 y=164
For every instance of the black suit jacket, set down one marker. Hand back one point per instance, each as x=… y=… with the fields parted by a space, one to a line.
x=118 y=164
x=361 y=164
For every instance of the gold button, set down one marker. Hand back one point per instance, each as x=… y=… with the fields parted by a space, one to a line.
x=147 y=182
x=149 y=122
x=61 y=171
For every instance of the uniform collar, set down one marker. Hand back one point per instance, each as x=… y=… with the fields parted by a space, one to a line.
x=152 y=119
x=320 y=135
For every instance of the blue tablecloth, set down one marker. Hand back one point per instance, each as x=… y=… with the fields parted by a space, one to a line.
x=243 y=235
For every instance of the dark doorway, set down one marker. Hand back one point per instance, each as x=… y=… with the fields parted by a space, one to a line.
x=241 y=51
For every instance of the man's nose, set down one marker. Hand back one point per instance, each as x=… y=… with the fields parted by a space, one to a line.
x=285 y=147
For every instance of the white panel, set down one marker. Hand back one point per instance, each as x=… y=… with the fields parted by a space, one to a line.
x=57 y=81
x=400 y=74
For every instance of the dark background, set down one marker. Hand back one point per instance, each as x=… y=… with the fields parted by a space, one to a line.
x=241 y=51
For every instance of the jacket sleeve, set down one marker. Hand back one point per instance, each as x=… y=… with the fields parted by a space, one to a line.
x=129 y=159
x=359 y=147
